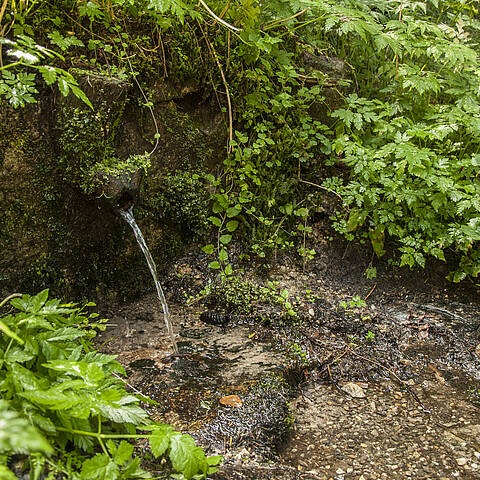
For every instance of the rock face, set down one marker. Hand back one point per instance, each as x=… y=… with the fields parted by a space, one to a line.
x=57 y=157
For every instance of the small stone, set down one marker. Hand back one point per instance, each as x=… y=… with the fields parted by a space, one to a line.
x=354 y=390
x=461 y=461
x=311 y=312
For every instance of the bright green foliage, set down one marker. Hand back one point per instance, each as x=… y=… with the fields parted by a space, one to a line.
x=376 y=103
x=57 y=392
x=18 y=86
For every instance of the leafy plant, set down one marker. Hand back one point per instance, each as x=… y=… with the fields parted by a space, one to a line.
x=58 y=393
x=18 y=85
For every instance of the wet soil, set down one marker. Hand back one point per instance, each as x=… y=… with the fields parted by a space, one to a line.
x=385 y=390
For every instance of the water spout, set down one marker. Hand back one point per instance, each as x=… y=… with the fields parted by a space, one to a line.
x=127 y=214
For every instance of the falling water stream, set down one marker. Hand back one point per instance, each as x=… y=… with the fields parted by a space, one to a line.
x=130 y=219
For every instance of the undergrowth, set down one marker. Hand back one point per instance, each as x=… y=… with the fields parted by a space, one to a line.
x=390 y=132
x=64 y=409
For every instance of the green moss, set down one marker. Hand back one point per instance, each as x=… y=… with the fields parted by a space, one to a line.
x=181 y=200
x=233 y=294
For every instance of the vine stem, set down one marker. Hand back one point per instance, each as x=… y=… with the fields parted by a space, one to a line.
x=10 y=65
x=13 y=295
x=217 y=18
x=227 y=90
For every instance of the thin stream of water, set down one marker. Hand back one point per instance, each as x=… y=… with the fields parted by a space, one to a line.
x=130 y=219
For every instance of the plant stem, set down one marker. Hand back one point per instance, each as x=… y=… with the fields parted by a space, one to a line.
x=13 y=295
x=102 y=436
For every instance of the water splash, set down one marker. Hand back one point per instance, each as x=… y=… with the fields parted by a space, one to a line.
x=130 y=219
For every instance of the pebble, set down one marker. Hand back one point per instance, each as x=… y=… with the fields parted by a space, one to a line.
x=461 y=461
x=353 y=390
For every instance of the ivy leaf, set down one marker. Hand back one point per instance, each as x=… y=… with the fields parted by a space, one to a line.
x=225 y=239
x=234 y=211
x=232 y=225
x=216 y=221
x=208 y=249
x=215 y=265
x=223 y=255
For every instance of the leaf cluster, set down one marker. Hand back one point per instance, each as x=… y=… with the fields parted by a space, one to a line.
x=59 y=394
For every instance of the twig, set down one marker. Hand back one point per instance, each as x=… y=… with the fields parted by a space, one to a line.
x=217 y=18
x=371 y=291
x=321 y=187
x=225 y=9
x=391 y=372
x=2 y=10
x=128 y=384
x=283 y=20
x=227 y=91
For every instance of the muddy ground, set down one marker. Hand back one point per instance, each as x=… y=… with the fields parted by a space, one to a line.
x=388 y=388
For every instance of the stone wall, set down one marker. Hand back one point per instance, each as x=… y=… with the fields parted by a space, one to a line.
x=54 y=230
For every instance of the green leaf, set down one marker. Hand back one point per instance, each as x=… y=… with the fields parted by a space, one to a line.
x=223 y=255
x=215 y=265
x=100 y=467
x=19 y=355
x=160 y=438
x=301 y=212
x=17 y=435
x=186 y=457
x=121 y=410
x=39 y=300
x=63 y=86
x=7 y=474
x=355 y=219
x=23 y=378
x=91 y=373
x=49 y=74
x=208 y=249
x=377 y=237
x=234 y=211
x=124 y=453
x=225 y=239
x=79 y=93
x=232 y=225
x=216 y=221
